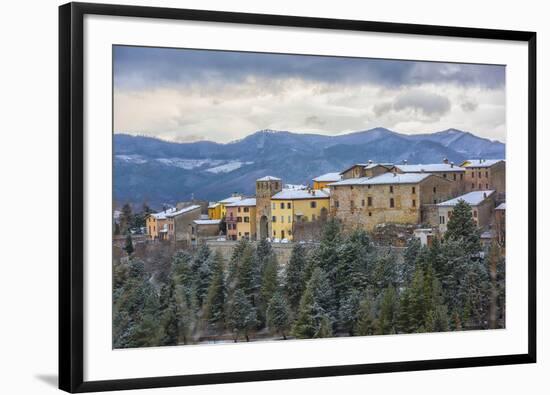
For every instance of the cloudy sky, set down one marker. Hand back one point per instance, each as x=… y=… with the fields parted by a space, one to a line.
x=189 y=95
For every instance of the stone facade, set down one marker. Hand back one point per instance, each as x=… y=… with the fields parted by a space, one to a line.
x=482 y=213
x=486 y=174
x=366 y=206
x=265 y=188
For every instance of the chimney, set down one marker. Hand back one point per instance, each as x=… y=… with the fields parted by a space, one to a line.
x=313 y=192
x=446 y=161
x=394 y=174
x=452 y=165
x=484 y=195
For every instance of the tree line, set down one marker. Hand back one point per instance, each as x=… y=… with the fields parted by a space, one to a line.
x=343 y=286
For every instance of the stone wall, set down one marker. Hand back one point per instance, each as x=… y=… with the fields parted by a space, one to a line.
x=281 y=250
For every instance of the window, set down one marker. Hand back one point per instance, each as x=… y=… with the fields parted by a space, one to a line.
x=239 y=234
x=473 y=186
x=413 y=190
x=444 y=175
x=239 y=209
x=313 y=204
x=274 y=219
x=454 y=177
x=475 y=213
x=479 y=186
x=392 y=202
x=391 y=188
x=369 y=201
x=282 y=219
x=363 y=203
x=435 y=190
x=351 y=204
x=435 y=201
x=336 y=203
x=368 y=186
x=288 y=205
x=414 y=203
x=370 y=214
x=239 y=219
x=486 y=174
x=274 y=206
x=479 y=174
x=473 y=175
x=486 y=186
x=247 y=219
x=442 y=219
x=282 y=206
x=246 y=209
x=461 y=176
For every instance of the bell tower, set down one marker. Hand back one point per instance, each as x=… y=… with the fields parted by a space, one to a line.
x=265 y=188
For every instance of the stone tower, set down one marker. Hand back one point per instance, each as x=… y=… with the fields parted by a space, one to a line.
x=265 y=188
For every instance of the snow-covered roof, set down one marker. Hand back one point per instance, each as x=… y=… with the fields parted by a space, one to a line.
x=268 y=178
x=481 y=162
x=163 y=214
x=430 y=168
x=373 y=165
x=386 y=178
x=501 y=206
x=213 y=205
x=183 y=211
x=292 y=194
x=472 y=198
x=295 y=186
x=249 y=202
x=231 y=199
x=207 y=221
x=328 y=177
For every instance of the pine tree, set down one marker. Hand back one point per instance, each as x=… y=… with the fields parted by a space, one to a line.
x=349 y=311
x=202 y=272
x=295 y=283
x=125 y=218
x=169 y=315
x=215 y=300
x=129 y=245
x=328 y=253
x=247 y=276
x=241 y=315
x=316 y=308
x=269 y=285
x=387 y=319
x=278 y=314
x=235 y=262
x=461 y=227
x=409 y=259
x=365 y=324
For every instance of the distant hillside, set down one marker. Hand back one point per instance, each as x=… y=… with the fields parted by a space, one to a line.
x=158 y=172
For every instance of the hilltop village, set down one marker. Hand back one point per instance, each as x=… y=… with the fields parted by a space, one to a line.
x=409 y=199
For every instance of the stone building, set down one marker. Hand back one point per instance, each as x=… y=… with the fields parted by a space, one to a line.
x=322 y=181
x=265 y=188
x=387 y=198
x=204 y=229
x=482 y=203
x=181 y=221
x=241 y=220
x=369 y=169
x=500 y=224
x=486 y=174
x=449 y=171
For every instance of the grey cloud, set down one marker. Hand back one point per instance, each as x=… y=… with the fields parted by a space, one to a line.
x=382 y=108
x=428 y=103
x=314 y=120
x=469 y=106
x=144 y=67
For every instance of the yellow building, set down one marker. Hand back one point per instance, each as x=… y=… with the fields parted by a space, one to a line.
x=214 y=211
x=160 y=225
x=291 y=206
x=328 y=178
x=218 y=210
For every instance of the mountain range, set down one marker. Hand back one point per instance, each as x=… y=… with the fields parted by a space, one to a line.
x=159 y=172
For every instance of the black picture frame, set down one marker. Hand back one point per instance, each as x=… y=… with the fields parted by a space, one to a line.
x=71 y=203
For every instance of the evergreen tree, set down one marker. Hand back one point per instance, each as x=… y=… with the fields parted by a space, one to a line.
x=409 y=259
x=295 y=283
x=247 y=276
x=315 y=315
x=202 y=272
x=461 y=226
x=215 y=300
x=129 y=245
x=126 y=218
x=365 y=324
x=241 y=315
x=263 y=254
x=327 y=254
x=387 y=320
x=269 y=285
x=385 y=273
x=278 y=314
x=235 y=263
x=349 y=311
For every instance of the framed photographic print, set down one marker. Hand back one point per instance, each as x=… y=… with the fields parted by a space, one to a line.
x=250 y=197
